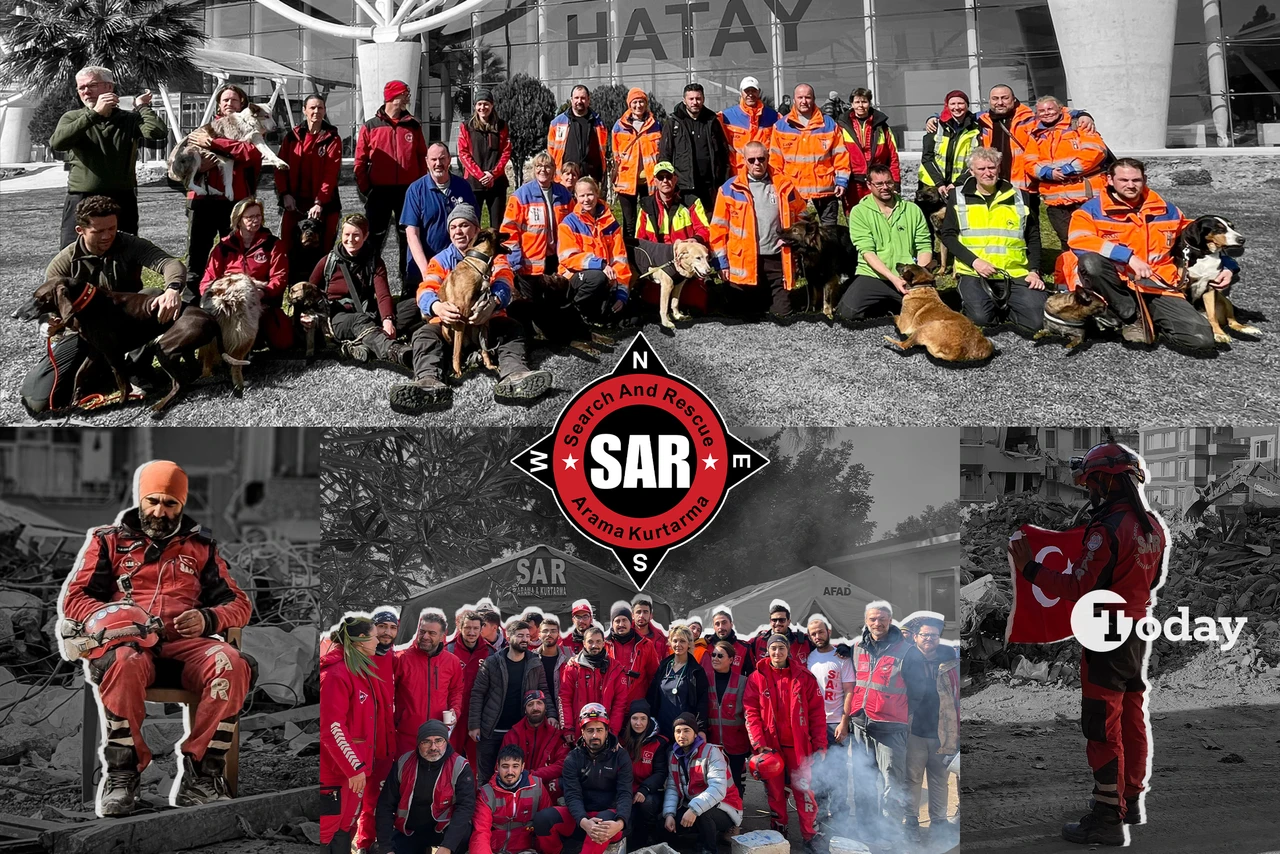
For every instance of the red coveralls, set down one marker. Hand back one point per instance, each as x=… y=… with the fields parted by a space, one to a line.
x=425 y=687
x=544 y=751
x=784 y=711
x=349 y=717
x=1119 y=556
x=638 y=661
x=314 y=159
x=384 y=751
x=799 y=650
x=470 y=661
x=168 y=579
x=504 y=820
x=581 y=684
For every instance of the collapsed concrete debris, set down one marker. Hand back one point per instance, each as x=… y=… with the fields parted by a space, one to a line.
x=1219 y=567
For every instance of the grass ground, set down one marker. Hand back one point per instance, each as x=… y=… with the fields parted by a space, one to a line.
x=809 y=371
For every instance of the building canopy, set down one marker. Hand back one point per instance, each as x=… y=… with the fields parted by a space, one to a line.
x=810 y=591
x=541 y=577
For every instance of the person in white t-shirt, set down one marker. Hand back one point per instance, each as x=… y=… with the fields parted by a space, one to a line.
x=835 y=676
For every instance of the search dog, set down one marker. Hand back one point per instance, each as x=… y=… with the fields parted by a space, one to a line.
x=927 y=322
x=235 y=302
x=827 y=255
x=1198 y=253
x=690 y=259
x=188 y=160
x=465 y=287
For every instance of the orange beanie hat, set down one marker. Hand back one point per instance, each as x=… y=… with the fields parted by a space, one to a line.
x=164 y=477
x=634 y=93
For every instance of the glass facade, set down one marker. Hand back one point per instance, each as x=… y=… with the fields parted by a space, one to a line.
x=1225 y=89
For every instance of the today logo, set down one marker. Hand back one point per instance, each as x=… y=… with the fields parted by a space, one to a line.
x=1100 y=624
x=640 y=461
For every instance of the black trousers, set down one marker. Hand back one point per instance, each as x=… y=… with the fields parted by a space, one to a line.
x=590 y=298
x=127 y=221
x=831 y=778
x=383 y=206
x=536 y=303
x=423 y=840
x=869 y=296
x=646 y=820
x=1174 y=318
x=208 y=221
x=495 y=199
x=706 y=828
x=1060 y=220
x=706 y=194
x=429 y=353
x=364 y=327
x=738 y=769
x=1026 y=305
x=827 y=208
x=631 y=215
x=489 y=745
x=769 y=295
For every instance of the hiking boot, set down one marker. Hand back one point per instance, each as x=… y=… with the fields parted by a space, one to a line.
x=202 y=783
x=1102 y=826
x=522 y=385
x=1133 y=813
x=1135 y=333
x=357 y=351
x=817 y=845
x=119 y=793
x=400 y=353
x=420 y=395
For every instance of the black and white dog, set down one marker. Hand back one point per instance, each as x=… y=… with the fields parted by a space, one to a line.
x=1204 y=249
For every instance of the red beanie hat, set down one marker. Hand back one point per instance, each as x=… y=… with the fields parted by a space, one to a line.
x=163 y=477
x=394 y=89
x=954 y=93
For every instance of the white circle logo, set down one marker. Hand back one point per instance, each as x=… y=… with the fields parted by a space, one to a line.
x=1099 y=622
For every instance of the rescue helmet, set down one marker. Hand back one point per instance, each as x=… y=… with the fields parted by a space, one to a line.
x=766 y=765
x=1106 y=458
x=592 y=712
x=120 y=623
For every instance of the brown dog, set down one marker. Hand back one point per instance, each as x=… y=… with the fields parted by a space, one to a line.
x=464 y=287
x=926 y=321
x=307 y=301
x=235 y=301
x=934 y=207
x=1067 y=314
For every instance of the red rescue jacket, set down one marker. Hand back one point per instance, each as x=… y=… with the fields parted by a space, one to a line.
x=349 y=716
x=384 y=689
x=879 y=689
x=314 y=162
x=442 y=796
x=638 y=661
x=265 y=260
x=580 y=683
x=728 y=724
x=425 y=687
x=389 y=152
x=767 y=702
x=544 y=750
x=469 y=661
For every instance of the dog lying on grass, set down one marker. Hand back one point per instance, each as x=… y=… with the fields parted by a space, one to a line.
x=927 y=322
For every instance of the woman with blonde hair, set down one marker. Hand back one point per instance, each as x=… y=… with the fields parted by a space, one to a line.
x=680 y=685
x=529 y=229
x=251 y=249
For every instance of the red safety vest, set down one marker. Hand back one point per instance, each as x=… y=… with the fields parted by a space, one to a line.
x=441 y=797
x=687 y=790
x=526 y=801
x=880 y=690
x=641 y=768
x=728 y=721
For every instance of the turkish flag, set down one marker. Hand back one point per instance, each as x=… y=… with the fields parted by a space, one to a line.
x=1037 y=617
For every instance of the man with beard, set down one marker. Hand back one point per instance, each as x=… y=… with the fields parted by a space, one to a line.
x=634 y=655
x=879 y=714
x=835 y=676
x=699 y=794
x=578 y=136
x=583 y=619
x=784 y=715
x=428 y=681
x=932 y=673
x=693 y=140
x=497 y=698
x=592 y=676
x=156 y=555
x=780 y=623
x=386 y=625
x=642 y=615
x=429 y=800
x=553 y=657
x=1125 y=551
x=597 y=791
x=540 y=740
x=471 y=650
x=507 y=804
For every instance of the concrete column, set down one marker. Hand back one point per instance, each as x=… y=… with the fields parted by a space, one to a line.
x=1119 y=61
x=15 y=138
x=1214 y=54
x=382 y=63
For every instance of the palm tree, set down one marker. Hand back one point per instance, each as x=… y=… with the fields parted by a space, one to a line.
x=144 y=42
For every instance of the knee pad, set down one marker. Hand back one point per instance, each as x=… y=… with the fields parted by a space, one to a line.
x=1093 y=719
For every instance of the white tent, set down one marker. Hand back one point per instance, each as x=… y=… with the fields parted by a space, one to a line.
x=810 y=591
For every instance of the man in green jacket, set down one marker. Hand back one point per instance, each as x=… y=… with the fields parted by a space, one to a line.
x=101 y=141
x=887 y=230
x=109 y=259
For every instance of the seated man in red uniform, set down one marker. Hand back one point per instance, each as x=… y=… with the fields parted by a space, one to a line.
x=540 y=741
x=169 y=565
x=506 y=805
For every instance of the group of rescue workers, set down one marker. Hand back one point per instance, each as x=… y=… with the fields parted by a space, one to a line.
x=518 y=736
x=733 y=180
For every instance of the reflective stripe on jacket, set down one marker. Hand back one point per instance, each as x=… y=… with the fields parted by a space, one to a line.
x=592 y=242
x=879 y=690
x=733 y=229
x=634 y=153
x=1020 y=125
x=994 y=231
x=558 y=135
x=504 y=819
x=949 y=157
x=501 y=281
x=742 y=125
x=1118 y=231
x=1081 y=155
x=728 y=726
x=530 y=229
x=441 y=796
x=812 y=152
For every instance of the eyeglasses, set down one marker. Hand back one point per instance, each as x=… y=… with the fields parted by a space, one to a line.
x=757 y=159
x=880 y=184
x=924 y=636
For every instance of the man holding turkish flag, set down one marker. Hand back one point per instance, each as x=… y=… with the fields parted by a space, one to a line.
x=1037 y=616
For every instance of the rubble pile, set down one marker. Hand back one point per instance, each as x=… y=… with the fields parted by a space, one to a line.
x=1217 y=568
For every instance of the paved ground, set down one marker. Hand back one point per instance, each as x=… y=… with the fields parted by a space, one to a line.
x=810 y=371
x=1215 y=764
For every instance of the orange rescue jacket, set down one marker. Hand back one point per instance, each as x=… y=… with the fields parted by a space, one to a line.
x=634 y=153
x=733 y=228
x=812 y=153
x=1117 y=231
x=591 y=242
x=1080 y=154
